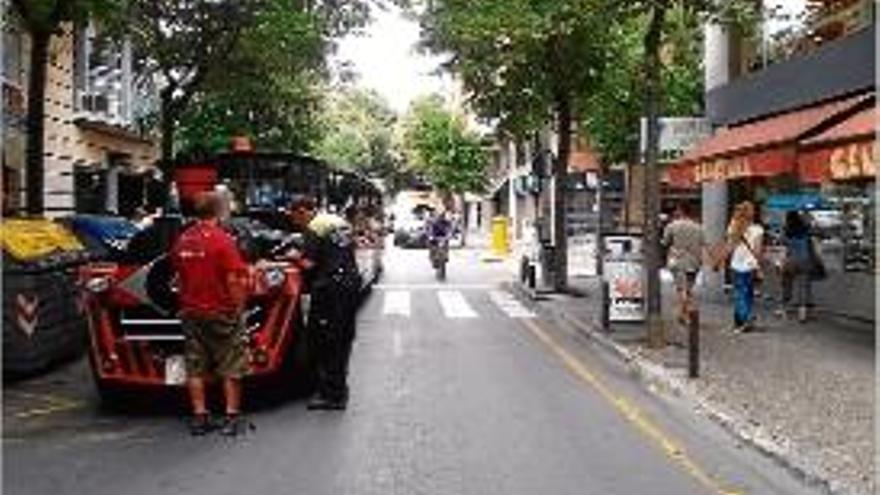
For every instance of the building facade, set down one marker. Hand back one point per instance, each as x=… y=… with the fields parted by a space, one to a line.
x=796 y=132
x=97 y=157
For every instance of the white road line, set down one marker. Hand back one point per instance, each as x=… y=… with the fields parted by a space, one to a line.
x=397 y=343
x=397 y=302
x=431 y=287
x=509 y=305
x=454 y=305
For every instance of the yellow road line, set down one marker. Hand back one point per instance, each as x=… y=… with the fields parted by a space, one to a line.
x=54 y=404
x=668 y=445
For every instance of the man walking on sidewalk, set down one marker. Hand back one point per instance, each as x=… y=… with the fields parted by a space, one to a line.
x=213 y=284
x=685 y=242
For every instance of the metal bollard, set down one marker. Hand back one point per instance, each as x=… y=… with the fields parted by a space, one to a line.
x=694 y=343
x=604 y=315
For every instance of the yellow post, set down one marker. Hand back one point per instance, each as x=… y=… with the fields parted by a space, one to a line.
x=499 y=236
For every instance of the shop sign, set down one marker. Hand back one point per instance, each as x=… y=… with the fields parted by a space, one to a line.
x=582 y=254
x=678 y=135
x=853 y=161
x=762 y=164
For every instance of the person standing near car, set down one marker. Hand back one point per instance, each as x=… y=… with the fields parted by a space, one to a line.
x=334 y=283
x=684 y=240
x=212 y=290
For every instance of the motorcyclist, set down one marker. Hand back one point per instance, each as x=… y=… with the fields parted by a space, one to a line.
x=439 y=233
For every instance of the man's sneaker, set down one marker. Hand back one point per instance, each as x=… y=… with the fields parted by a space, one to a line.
x=200 y=424
x=319 y=403
x=233 y=425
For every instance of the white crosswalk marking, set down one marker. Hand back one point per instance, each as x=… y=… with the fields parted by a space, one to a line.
x=455 y=305
x=397 y=302
x=509 y=305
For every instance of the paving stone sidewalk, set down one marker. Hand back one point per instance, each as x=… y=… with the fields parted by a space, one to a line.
x=801 y=393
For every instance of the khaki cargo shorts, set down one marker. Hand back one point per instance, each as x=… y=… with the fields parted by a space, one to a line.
x=215 y=346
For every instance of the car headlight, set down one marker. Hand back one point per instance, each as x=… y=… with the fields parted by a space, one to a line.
x=273 y=277
x=96 y=285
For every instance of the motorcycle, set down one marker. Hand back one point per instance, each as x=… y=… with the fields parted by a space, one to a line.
x=439 y=254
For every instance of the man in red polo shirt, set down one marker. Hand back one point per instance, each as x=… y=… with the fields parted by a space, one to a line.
x=213 y=288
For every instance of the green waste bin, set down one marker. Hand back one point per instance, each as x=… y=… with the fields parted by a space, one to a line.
x=42 y=319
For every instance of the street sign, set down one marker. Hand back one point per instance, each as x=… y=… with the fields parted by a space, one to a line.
x=678 y=135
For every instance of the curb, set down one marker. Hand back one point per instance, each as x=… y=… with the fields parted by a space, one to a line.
x=659 y=380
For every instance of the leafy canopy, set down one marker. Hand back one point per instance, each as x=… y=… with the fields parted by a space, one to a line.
x=519 y=59
x=357 y=128
x=438 y=144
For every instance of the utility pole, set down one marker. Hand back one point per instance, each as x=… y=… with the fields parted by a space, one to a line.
x=654 y=318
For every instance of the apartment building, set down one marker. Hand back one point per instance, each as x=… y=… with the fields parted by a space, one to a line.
x=98 y=157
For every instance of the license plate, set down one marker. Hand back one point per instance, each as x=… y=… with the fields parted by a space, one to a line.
x=175 y=370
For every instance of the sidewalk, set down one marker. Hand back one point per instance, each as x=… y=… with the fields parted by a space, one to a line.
x=802 y=394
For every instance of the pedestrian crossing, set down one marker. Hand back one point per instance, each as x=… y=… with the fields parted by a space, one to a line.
x=454 y=304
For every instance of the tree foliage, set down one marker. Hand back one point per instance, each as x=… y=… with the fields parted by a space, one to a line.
x=251 y=66
x=437 y=143
x=615 y=105
x=357 y=128
x=269 y=90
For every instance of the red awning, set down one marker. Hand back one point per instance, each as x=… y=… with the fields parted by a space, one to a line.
x=860 y=125
x=846 y=151
x=769 y=132
x=758 y=149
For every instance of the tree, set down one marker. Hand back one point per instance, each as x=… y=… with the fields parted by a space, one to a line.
x=615 y=107
x=43 y=19
x=358 y=126
x=438 y=144
x=183 y=42
x=525 y=63
x=202 y=49
x=269 y=90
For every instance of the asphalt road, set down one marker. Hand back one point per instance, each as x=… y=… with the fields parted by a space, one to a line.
x=456 y=389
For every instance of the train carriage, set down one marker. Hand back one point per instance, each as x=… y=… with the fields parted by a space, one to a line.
x=134 y=333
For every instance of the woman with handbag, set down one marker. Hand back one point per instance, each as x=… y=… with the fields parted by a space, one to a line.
x=746 y=239
x=797 y=268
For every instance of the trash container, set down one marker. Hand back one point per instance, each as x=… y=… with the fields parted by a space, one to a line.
x=104 y=237
x=500 y=246
x=42 y=321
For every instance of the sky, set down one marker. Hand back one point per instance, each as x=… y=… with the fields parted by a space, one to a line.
x=385 y=58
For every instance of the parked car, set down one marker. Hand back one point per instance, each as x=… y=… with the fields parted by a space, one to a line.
x=411 y=232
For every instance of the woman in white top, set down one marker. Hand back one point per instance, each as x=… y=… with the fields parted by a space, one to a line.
x=747 y=239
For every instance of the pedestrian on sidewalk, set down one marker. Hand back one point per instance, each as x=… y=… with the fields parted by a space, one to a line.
x=213 y=289
x=747 y=240
x=334 y=283
x=797 y=266
x=685 y=243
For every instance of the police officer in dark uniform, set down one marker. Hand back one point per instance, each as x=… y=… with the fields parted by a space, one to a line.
x=333 y=281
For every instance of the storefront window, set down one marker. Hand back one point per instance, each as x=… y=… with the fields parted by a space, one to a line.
x=854 y=223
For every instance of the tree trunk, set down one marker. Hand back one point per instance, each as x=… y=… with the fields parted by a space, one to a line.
x=656 y=333
x=560 y=172
x=36 y=106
